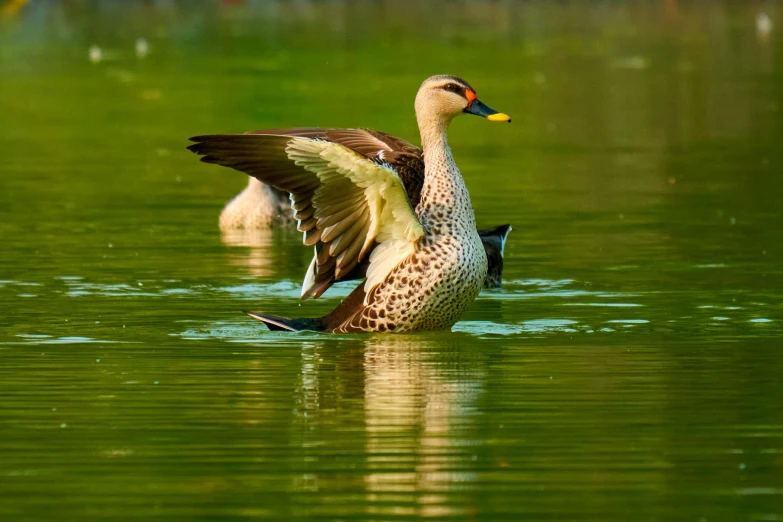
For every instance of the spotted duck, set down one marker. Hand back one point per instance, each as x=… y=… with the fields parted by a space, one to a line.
x=424 y=263
x=260 y=206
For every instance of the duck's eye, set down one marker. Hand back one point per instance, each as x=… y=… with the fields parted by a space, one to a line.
x=452 y=87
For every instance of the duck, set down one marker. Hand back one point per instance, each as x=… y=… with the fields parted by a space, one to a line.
x=351 y=192
x=260 y=206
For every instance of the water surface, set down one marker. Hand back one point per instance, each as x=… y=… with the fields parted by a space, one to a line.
x=629 y=369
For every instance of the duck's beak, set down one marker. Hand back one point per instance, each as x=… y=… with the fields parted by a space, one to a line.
x=479 y=109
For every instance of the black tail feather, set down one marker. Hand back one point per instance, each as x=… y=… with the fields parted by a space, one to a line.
x=277 y=323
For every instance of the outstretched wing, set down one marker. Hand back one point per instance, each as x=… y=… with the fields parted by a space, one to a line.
x=344 y=202
x=405 y=158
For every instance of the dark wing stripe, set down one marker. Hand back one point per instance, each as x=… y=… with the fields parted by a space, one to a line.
x=301 y=200
x=353 y=251
x=331 y=233
x=312 y=237
x=305 y=213
x=321 y=254
x=338 y=215
x=327 y=267
x=307 y=224
x=348 y=236
x=348 y=259
x=326 y=205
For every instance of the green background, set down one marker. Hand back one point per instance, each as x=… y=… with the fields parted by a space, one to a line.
x=629 y=369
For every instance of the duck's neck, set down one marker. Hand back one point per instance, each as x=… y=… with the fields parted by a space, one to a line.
x=445 y=205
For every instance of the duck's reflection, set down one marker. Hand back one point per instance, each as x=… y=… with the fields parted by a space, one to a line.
x=417 y=395
x=265 y=252
x=257 y=259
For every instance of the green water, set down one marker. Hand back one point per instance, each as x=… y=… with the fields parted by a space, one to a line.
x=629 y=369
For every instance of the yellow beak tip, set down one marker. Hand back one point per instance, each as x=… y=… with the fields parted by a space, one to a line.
x=499 y=117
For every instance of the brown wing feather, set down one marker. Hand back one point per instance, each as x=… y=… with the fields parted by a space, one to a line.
x=264 y=159
x=404 y=157
x=331 y=220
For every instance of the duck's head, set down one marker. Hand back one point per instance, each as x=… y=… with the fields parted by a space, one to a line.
x=443 y=97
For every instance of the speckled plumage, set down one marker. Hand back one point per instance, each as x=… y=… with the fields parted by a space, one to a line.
x=432 y=288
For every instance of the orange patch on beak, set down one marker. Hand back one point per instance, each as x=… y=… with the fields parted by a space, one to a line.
x=470 y=95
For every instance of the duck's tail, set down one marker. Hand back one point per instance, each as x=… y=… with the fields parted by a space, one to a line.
x=275 y=322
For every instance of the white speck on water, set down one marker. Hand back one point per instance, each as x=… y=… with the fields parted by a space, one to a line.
x=733 y=220
x=763 y=26
x=742 y=465
x=96 y=54
x=632 y=63
x=142 y=47
x=474 y=458
x=54 y=409
x=97 y=360
x=111 y=246
x=123 y=326
x=615 y=305
x=97 y=322
x=63 y=425
x=156 y=382
x=759 y=491
x=720 y=318
x=760 y=320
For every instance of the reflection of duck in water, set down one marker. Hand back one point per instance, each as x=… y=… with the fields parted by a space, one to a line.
x=264 y=251
x=418 y=398
x=259 y=259
x=351 y=191
x=416 y=394
x=260 y=206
